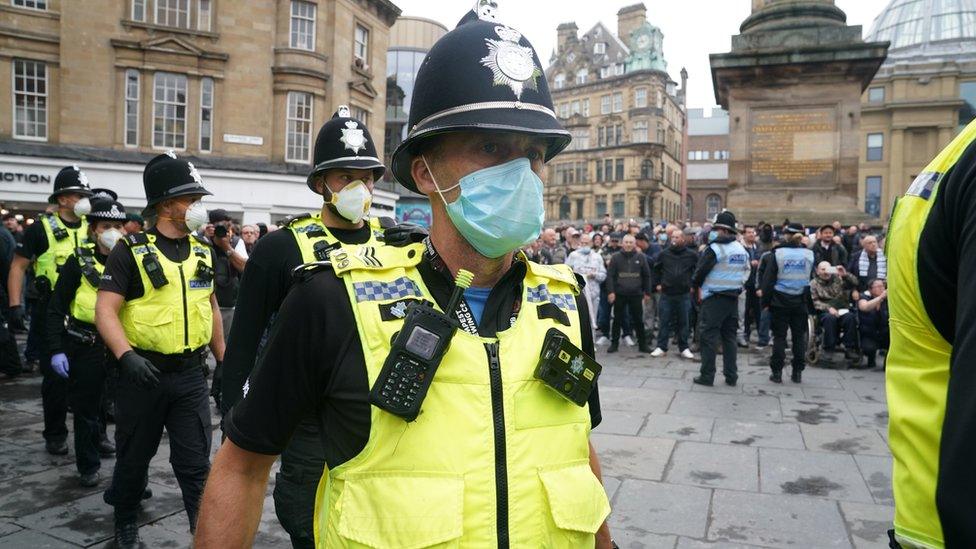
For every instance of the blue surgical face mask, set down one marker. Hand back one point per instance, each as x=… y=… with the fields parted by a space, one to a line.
x=500 y=208
x=662 y=237
x=712 y=235
x=585 y=250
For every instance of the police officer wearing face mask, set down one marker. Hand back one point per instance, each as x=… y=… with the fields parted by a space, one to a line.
x=345 y=167
x=495 y=458
x=47 y=244
x=156 y=312
x=77 y=352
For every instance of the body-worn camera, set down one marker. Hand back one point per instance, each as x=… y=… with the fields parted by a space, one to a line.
x=566 y=369
x=414 y=357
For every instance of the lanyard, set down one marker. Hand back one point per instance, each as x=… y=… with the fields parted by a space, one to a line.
x=463 y=312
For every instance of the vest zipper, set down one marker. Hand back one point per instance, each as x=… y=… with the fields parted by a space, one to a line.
x=501 y=466
x=186 y=316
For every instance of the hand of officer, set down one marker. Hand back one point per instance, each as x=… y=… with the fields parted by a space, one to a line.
x=139 y=370
x=611 y=297
x=15 y=318
x=404 y=234
x=215 y=383
x=59 y=363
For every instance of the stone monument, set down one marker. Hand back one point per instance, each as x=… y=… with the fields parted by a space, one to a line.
x=792 y=85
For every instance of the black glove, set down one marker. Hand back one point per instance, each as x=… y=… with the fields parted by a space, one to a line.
x=404 y=234
x=215 y=388
x=139 y=370
x=15 y=319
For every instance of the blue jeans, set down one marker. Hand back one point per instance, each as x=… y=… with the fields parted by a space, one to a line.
x=672 y=306
x=762 y=332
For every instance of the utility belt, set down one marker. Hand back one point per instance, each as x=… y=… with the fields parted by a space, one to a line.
x=82 y=332
x=178 y=363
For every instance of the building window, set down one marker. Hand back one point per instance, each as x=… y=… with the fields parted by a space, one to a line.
x=169 y=111
x=203 y=15
x=206 y=114
x=608 y=169
x=618 y=69
x=872 y=196
x=564 y=110
x=564 y=207
x=604 y=72
x=640 y=98
x=30 y=99
x=967 y=92
x=647 y=169
x=575 y=109
x=875 y=147
x=360 y=114
x=640 y=134
x=361 y=44
x=599 y=171
x=138 y=10
x=31 y=4
x=131 y=108
x=689 y=206
x=600 y=48
x=173 y=13
x=618 y=205
x=691 y=155
x=713 y=205
x=586 y=107
x=619 y=172
x=876 y=95
x=581 y=76
x=605 y=104
x=601 y=205
x=721 y=155
x=298 y=135
x=559 y=81
x=601 y=139
x=618 y=102
x=302 y=25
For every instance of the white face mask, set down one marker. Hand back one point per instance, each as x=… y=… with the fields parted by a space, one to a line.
x=82 y=207
x=109 y=238
x=196 y=216
x=353 y=201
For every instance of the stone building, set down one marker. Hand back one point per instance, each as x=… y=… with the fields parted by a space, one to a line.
x=924 y=93
x=708 y=164
x=239 y=87
x=627 y=117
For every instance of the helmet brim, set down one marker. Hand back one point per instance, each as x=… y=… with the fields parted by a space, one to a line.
x=175 y=193
x=360 y=163
x=83 y=191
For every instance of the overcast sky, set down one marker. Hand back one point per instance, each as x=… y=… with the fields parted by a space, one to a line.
x=692 y=28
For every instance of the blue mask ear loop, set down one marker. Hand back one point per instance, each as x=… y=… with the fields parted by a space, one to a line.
x=440 y=193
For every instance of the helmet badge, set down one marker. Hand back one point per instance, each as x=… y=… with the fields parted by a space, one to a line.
x=82 y=178
x=486 y=9
x=194 y=173
x=114 y=212
x=511 y=64
x=353 y=138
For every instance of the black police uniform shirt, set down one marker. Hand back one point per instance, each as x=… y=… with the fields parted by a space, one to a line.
x=121 y=275
x=313 y=365
x=264 y=284
x=69 y=280
x=35 y=243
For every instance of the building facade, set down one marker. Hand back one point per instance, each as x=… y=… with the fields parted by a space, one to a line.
x=240 y=88
x=627 y=117
x=924 y=93
x=708 y=164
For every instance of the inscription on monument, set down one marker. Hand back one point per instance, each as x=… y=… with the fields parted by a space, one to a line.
x=792 y=147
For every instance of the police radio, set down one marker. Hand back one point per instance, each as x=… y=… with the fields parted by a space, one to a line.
x=416 y=353
x=566 y=369
x=154 y=271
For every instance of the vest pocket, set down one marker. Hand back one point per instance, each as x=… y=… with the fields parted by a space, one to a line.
x=577 y=502
x=539 y=406
x=400 y=509
x=158 y=327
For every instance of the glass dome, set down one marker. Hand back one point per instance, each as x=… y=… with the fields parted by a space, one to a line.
x=927 y=26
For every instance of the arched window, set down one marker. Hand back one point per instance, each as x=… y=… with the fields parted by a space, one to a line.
x=713 y=205
x=564 y=207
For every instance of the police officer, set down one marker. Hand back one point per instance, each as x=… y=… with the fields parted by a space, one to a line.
x=786 y=292
x=929 y=371
x=47 y=244
x=77 y=353
x=495 y=459
x=345 y=168
x=156 y=312
x=721 y=273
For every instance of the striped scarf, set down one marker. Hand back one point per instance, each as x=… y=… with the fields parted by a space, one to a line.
x=864 y=262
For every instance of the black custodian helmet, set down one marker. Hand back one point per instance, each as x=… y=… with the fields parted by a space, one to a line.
x=70 y=180
x=106 y=209
x=344 y=142
x=483 y=75
x=167 y=176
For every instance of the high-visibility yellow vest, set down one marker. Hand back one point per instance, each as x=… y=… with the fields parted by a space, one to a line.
x=83 y=304
x=58 y=250
x=315 y=240
x=917 y=367
x=177 y=317
x=494 y=453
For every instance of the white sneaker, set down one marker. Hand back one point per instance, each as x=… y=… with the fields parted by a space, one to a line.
x=687 y=354
x=658 y=353
x=603 y=341
x=629 y=341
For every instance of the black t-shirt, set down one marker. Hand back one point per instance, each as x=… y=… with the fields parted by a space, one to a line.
x=34 y=243
x=264 y=284
x=121 y=274
x=59 y=307
x=314 y=364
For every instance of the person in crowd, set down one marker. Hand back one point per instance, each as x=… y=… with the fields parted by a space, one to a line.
x=851 y=240
x=647 y=245
x=826 y=249
x=249 y=234
x=587 y=263
x=10 y=363
x=831 y=291
x=552 y=251
x=873 y=321
x=604 y=314
x=13 y=225
x=869 y=263
x=721 y=272
x=572 y=240
x=671 y=278
x=134 y=223
x=628 y=287
x=749 y=309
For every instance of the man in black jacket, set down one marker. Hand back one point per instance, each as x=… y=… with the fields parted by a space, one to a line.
x=828 y=250
x=671 y=277
x=628 y=285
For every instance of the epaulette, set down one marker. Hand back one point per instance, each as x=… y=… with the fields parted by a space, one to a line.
x=288 y=221
x=137 y=239
x=305 y=271
x=561 y=273
x=371 y=257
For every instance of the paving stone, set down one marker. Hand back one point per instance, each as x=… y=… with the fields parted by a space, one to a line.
x=618 y=380
x=666 y=372
x=868 y=524
x=17 y=461
x=868 y=389
x=876 y=471
x=762 y=434
x=644 y=508
x=728 y=406
x=776 y=521
x=817 y=474
x=155 y=536
x=711 y=466
x=843 y=439
x=869 y=414
x=687 y=543
x=772 y=389
x=634 y=538
x=635 y=399
x=633 y=457
x=615 y=422
x=610 y=486
x=7 y=528
x=678 y=427
x=667 y=383
x=32 y=493
x=821 y=393
x=28 y=539
x=814 y=412
x=719 y=387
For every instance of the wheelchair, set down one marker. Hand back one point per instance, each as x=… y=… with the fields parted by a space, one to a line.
x=815 y=339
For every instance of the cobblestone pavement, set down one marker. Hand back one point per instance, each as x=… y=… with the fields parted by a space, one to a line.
x=757 y=465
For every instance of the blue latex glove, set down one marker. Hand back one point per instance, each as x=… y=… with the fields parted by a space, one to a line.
x=59 y=363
